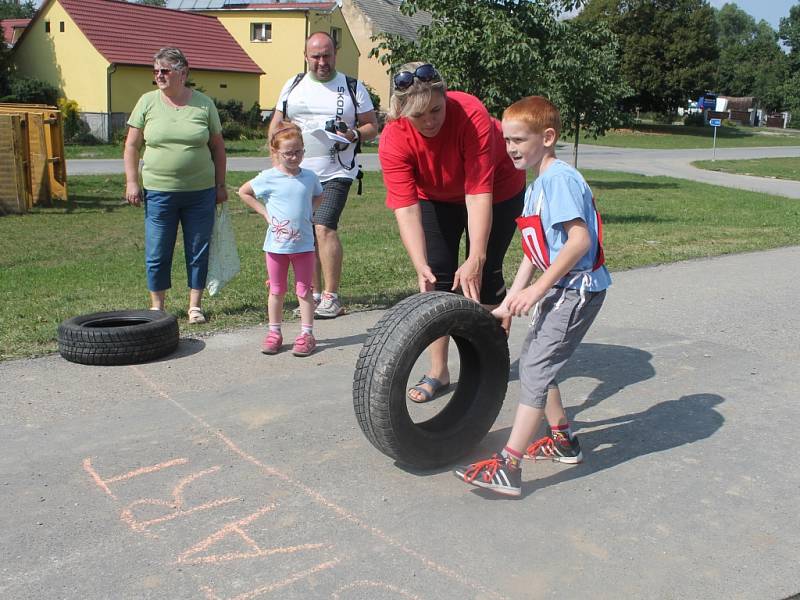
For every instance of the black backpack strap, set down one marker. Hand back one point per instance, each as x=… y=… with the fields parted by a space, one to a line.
x=352 y=84
x=297 y=79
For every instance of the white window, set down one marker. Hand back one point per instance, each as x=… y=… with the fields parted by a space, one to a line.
x=336 y=34
x=260 y=32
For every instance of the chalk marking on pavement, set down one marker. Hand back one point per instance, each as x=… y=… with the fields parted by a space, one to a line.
x=103 y=483
x=177 y=504
x=317 y=496
x=363 y=583
x=211 y=595
x=236 y=528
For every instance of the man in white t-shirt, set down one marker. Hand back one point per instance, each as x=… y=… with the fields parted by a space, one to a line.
x=323 y=98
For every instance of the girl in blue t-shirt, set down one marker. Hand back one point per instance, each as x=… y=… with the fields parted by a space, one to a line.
x=286 y=197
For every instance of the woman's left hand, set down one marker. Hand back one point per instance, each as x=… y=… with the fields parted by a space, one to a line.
x=469 y=276
x=222 y=194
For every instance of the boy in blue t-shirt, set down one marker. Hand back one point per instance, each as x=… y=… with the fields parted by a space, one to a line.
x=562 y=236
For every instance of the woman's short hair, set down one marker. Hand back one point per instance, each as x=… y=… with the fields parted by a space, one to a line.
x=416 y=97
x=173 y=57
x=285 y=131
x=537 y=112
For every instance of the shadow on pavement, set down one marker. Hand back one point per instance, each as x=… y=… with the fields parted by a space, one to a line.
x=666 y=425
x=186 y=347
x=614 y=366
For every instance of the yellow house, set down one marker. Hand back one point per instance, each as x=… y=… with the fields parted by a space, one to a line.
x=100 y=54
x=367 y=18
x=273 y=35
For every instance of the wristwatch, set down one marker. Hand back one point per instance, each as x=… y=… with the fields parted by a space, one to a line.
x=357 y=134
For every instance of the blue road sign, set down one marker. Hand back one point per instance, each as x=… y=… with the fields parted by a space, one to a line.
x=715 y=122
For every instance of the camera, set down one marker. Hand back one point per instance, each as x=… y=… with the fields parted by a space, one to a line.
x=336 y=125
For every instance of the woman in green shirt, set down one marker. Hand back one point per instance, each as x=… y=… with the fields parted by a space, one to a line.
x=183 y=176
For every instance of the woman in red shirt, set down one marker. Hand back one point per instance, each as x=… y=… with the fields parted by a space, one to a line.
x=446 y=172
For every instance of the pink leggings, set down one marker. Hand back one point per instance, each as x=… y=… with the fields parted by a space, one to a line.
x=278 y=270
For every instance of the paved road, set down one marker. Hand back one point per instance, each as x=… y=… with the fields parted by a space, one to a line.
x=220 y=473
x=673 y=163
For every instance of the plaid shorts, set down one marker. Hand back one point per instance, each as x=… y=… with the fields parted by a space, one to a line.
x=334 y=197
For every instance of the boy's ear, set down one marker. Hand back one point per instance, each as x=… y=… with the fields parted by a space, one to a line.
x=549 y=137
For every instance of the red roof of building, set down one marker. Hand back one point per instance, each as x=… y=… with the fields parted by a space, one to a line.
x=9 y=25
x=320 y=6
x=130 y=34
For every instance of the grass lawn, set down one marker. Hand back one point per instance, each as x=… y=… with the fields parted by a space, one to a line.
x=87 y=256
x=778 y=168
x=232 y=148
x=674 y=137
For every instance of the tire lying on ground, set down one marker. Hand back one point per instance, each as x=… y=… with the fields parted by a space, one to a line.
x=381 y=379
x=118 y=337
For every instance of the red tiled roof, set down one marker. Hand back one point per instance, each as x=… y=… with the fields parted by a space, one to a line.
x=131 y=34
x=320 y=6
x=9 y=25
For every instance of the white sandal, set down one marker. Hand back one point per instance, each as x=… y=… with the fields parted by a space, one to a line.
x=196 y=316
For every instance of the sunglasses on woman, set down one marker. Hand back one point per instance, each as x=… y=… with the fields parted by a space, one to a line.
x=425 y=73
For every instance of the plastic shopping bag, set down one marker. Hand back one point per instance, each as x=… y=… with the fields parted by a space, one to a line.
x=223 y=257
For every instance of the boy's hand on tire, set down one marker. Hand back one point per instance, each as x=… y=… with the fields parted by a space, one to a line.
x=501 y=314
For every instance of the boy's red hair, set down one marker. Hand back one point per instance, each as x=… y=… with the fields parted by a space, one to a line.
x=537 y=112
x=286 y=131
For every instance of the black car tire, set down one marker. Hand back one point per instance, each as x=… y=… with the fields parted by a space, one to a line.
x=381 y=379
x=118 y=337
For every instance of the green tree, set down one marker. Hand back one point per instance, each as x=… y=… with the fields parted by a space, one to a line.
x=494 y=49
x=6 y=66
x=668 y=47
x=751 y=63
x=161 y=3
x=789 y=32
x=11 y=9
x=585 y=81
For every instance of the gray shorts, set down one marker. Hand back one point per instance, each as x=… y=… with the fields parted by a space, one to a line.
x=334 y=197
x=552 y=340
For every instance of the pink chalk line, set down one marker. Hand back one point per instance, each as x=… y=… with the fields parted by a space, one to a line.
x=317 y=497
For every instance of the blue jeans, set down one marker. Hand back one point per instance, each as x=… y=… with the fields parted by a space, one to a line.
x=163 y=210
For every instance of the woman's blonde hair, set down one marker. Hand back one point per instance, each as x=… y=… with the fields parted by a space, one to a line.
x=416 y=97
x=285 y=131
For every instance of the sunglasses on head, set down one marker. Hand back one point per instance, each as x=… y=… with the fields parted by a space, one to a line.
x=425 y=73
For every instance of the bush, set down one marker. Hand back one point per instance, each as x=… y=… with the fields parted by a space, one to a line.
x=253 y=117
x=694 y=119
x=376 y=99
x=232 y=109
x=27 y=90
x=231 y=130
x=71 y=118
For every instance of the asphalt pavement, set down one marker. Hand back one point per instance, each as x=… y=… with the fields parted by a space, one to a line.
x=672 y=163
x=220 y=473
